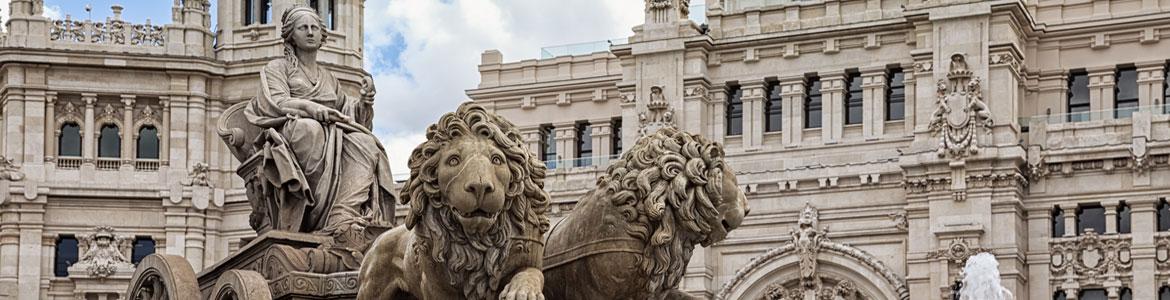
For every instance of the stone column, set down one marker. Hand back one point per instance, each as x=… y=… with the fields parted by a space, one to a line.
x=31 y=226
x=48 y=257
x=601 y=132
x=753 y=114
x=1150 y=79
x=88 y=132
x=566 y=137
x=873 y=84
x=911 y=82
x=9 y=248
x=196 y=120
x=128 y=129
x=717 y=130
x=792 y=106
x=164 y=148
x=696 y=108
x=531 y=136
x=833 y=88
x=51 y=127
x=1101 y=83
x=1070 y=221
x=1143 y=222
x=1110 y=216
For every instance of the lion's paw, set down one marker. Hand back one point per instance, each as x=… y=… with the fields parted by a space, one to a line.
x=524 y=286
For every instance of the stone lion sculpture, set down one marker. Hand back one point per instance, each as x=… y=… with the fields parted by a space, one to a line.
x=632 y=237
x=476 y=218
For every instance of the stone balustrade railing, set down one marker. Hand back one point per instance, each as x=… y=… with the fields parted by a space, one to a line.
x=112 y=32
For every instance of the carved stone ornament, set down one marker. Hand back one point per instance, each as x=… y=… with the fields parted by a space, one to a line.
x=1090 y=258
x=658 y=113
x=810 y=245
x=900 y=220
x=960 y=112
x=111 y=32
x=199 y=175
x=957 y=252
x=104 y=254
x=9 y=170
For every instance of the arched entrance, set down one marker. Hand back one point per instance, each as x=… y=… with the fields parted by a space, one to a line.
x=813 y=265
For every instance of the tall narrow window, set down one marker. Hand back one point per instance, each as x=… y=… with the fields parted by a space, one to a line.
x=734 y=118
x=249 y=12
x=812 y=104
x=143 y=246
x=548 y=144
x=1125 y=93
x=1057 y=222
x=1078 y=96
x=853 y=100
x=1163 y=216
x=584 y=145
x=147 y=142
x=1123 y=218
x=1090 y=216
x=896 y=96
x=109 y=142
x=1166 y=89
x=69 y=142
x=265 y=11
x=773 y=109
x=66 y=255
x=616 y=137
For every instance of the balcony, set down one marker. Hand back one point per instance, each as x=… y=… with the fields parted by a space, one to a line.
x=69 y=163
x=1095 y=115
x=108 y=163
x=581 y=162
x=579 y=48
x=147 y=164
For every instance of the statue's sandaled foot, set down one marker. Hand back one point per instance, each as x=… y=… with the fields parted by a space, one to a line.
x=526 y=285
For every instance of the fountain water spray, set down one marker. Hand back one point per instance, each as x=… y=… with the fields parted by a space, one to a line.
x=981 y=279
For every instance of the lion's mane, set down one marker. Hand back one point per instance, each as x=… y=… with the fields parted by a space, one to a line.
x=473 y=263
x=667 y=186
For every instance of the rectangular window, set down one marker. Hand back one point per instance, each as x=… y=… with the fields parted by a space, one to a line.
x=1093 y=294
x=265 y=11
x=1090 y=216
x=812 y=104
x=1123 y=218
x=896 y=96
x=1165 y=90
x=1078 y=96
x=734 y=115
x=853 y=100
x=1163 y=216
x=1125 y=93
x=143 y=246
x=773 y=109
x=1057 y=222
x=66 y=255
x=584 y=145
x=249 y=12
x=616 y=137
x=548 y=146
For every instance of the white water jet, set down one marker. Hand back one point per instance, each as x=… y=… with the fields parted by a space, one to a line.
x=981 y=279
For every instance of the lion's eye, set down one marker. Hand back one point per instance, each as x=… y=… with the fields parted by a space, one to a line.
x=496 y=159
x=453 y=160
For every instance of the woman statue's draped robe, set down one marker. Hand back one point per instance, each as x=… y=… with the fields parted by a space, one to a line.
x=325 y=178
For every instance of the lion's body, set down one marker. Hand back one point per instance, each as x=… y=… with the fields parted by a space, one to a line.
x=632 y=237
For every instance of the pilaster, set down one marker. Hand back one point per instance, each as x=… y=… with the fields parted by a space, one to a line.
x=792 y=91
x=566 y=137
x=1143 y=253
x=601 y=132
x=833 y=88
x=1101 y=83
x=1150 y=79
x=89 y=134
x=753 y=114
x=128 y=130
x=873 y=83
x=50 y=125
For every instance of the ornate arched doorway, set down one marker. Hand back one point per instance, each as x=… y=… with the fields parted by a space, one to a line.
x=811 y=265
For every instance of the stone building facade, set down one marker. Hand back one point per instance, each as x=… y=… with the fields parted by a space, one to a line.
x=905 y=136
x=109 y=123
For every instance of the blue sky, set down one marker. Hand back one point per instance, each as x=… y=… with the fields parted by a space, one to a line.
x=424 y=53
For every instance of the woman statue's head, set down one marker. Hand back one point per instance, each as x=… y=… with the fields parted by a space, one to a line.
x=302 y=29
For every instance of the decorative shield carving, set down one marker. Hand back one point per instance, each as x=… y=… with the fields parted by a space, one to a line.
x=1091 y=257
x=960 y=111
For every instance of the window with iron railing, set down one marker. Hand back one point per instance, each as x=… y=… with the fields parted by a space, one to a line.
x=1125 y=91
x=1078 y=96
x=812 y=104
x=853 y=99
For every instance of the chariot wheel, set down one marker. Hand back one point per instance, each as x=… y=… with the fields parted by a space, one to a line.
x=241 y=285
x=163 y=277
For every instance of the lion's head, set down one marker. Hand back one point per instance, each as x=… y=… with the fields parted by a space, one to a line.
x=472 y=188
x=677 y=190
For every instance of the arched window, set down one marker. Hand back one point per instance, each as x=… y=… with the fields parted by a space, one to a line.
x=69 y=142
x=109 y=142
x=147 y=142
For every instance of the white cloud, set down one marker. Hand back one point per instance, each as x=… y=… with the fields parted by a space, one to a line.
x=52 y=12
x=443 y=42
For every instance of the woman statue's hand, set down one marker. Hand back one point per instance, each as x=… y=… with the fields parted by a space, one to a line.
x=328 y=115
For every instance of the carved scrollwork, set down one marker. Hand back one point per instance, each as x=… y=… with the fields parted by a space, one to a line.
x=1090 y=258
x=960 y=112
x=146 y=34
x=957 y=252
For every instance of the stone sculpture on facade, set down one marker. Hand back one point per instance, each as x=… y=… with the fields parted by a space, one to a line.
x=669 y=192
x=808 y=239
x=476 y=217
x=658 y=113
x=103 y=254
x=960 y=112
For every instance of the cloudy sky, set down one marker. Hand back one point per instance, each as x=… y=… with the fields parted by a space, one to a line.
x=424 y=53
